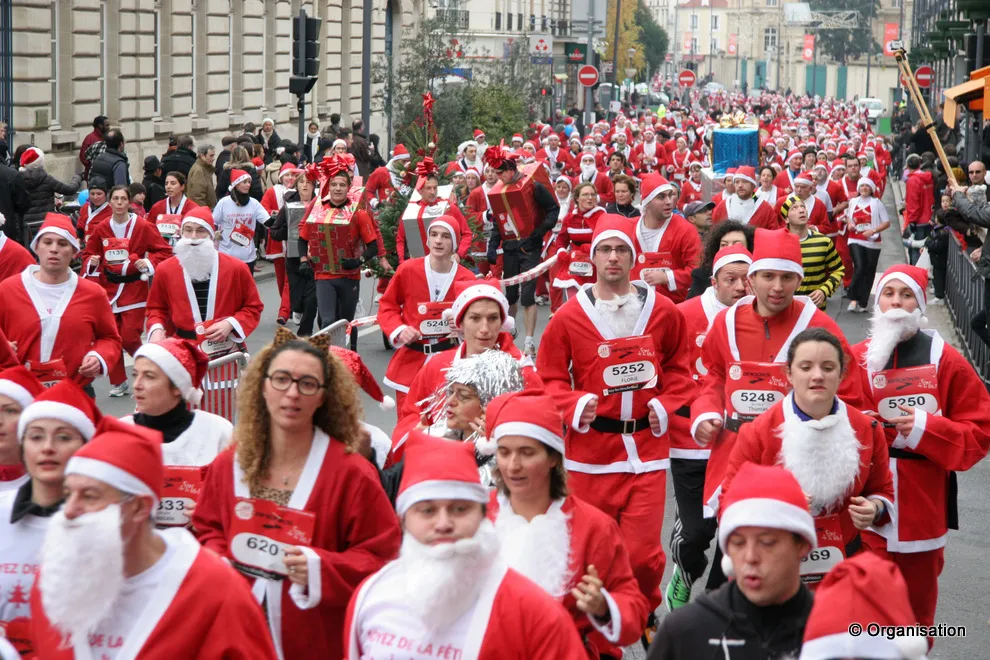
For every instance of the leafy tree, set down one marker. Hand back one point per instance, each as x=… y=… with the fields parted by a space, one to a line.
x=629 y=33
x=652 y=38
x=844 y=45
x=507 y=93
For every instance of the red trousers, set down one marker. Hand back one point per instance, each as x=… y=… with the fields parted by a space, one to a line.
x=285 y=306
x=130 y=324
x=842 y=247
x=636 y=501
x=920 y=571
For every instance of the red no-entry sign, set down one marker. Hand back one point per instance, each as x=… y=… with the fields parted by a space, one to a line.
x=588 y=75
x=686 y=78
x=923 y=75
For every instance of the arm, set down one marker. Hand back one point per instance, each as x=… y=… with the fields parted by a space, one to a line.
x=675 y=370
x=390 y=308
x=157 y=311
x=548 y=202
x=120 y=176
x=279 y=231
x=207 y=523
x=554 y=368
x=159 y=250
x=979 y=215
x=246 y=319
x=710 y=404
x=691 y=257
x=746 y=449
x=836 y=271
x=880 y=482
x=69 y=188
x=628 y=608
x=106 y=339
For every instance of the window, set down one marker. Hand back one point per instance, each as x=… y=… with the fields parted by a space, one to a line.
x=715 y=21
x=498 y=20
x=508 y=21
x=769 y=38
x=694 y=45
x=771 y=3
x=519 y=22
x=715 y=45
x=896 y=4
x=694 y=21
x=56 y=97
x=158 y=65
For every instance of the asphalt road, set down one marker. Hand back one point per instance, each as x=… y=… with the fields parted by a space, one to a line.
x=965 y=581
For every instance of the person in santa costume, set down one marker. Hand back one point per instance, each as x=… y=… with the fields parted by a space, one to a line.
x=468 y=158
x=18 y=388
x=35 y=304
x=121 y=255
x=785 y=179
x=691 y=191
x=237 y=217
x=649 y=155
x=692 y=532
x=574 y=268
x=387 y=179
x=568 y=547
x=186 y=298
x=743 y=205
x=680 y=158
x=866 y=220
x=96 y=209
x=749 y=342
x=555 y=156
x=804 y=189
x=933 y=407
x=765 y=533
x=590 y=174
x=767 y=191
x=14 y=257
x=136 y=600
x=411 y=311
x=164 y=213
x=729 y=186
x=864 y=588
x=294 y=456
x=55 y=425
x=614 y=343
x=668 y=247
x=450 y=592
x=272 y=201
x=837 y=453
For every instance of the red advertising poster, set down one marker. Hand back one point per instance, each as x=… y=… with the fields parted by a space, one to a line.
x=891 y=33
x=809 y=48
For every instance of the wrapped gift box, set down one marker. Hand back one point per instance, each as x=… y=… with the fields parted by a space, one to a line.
x=331 y=238
x=732 y=147
x=417 y=217
x=516 y=211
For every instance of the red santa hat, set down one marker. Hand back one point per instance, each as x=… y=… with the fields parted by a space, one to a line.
x=467 y=293
x=479 y=134
x=916 y=278
x=746 y=173
x=400 y=152
x=56 y=223
x=288 y=168
x=202 y=216
x=653 y=184
x=794 y=153
x=19 y=385
x=32 y=158
x=729 y=173
x=125 y=456
x=611 y=225
x=776 y=250
x=66 y=402
x=529 y=413
x=447 y=222
x=237 y=176
x=805 y=178
x=516 y=136
x=862 y=589
x=837 y=164
x=438 y=469
x=363 y=376
x=731 y=254
x=453 y=168
x=184 y=363
x=764 y=496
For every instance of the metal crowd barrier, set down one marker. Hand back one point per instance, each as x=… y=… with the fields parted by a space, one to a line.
x=337 y=331
x=964 y=298
x=220 y=385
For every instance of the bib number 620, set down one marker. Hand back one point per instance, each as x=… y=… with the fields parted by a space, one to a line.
x=261 y=544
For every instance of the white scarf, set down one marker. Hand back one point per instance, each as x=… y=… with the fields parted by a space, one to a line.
x=540 y=549
x=621 y=313
x=739 y=210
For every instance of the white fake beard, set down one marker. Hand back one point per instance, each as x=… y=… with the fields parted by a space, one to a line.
x=588 y=171
x=621 y=313
x=823 y=455
x=196 y=256
x=441 y=582
x=82 y=570
x=539 y=549
x=887 y=330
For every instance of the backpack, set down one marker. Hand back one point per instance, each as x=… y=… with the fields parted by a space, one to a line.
x=269 y=175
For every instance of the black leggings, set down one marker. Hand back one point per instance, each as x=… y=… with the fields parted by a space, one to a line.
x=337 y=299
x=302 y=293
x=864 y=270
x=515 y=262
x=692 y=533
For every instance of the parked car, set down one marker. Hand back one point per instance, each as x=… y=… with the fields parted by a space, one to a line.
x=874 y=108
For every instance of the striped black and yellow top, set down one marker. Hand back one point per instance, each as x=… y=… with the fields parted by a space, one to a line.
x=823 y=268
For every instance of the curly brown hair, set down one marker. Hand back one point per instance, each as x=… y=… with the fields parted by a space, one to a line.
x=339 y=416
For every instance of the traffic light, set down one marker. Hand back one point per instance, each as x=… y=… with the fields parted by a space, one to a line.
x=546 y=91
x=305 y=45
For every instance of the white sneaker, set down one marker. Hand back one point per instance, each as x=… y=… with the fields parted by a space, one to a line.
x=297 y=317
x=529 y=347
x=852 y=306
x=936 y=301
x=120 y=390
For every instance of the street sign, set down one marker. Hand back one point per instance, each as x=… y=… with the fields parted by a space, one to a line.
x=686 y=78
x=588 y=75
x=576 y=53
x=607 y=67
x=923 y=74
x=541 y=48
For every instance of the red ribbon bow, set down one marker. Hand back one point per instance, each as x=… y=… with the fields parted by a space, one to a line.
x=495 y=156
x=425 y=167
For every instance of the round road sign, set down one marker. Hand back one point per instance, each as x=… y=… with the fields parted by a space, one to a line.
x=686 y=78
x=588 y=75
x=923 y=74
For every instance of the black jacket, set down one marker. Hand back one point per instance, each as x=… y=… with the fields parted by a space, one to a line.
x=223 y=179
x=179 y=160
x=724 y=625
x=14 y=201
x=629 y=211
x=113 y=167
x=41 y=187
x=273 y=142
x=362 y=154
x=154 y=190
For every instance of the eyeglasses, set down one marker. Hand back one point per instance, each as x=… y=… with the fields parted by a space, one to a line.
x=283 y=380
x=620 y=250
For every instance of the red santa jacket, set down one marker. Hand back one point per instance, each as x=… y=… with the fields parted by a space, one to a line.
x=817 y=215
x=951 y=433
x=463 y=241
x=582 y=354
x=760 y=442
x=679 y=164
x=271 y=201
x=592 y=539
x=784 y=182
x=513 y=618
x=355 y=533
x=14 y=257
x=640 y=157
x=691 y=191
x=739 y=334
x=162 y=207
x=678 y=249
x=562 y=159
x=227 y=624
x=760 y=214
x=90 y=217
x=603 y=185
x=81 y=325
x=919 y=197
x=573 y=247
x=408 y=289
x=141 y=240
x=379 y=186
x=172 y=302
x=836 y=193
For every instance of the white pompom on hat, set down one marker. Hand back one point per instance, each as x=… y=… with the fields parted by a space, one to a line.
x=184 y=363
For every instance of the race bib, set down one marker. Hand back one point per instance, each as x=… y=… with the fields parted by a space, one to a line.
x=49 y=373
x=214 y=349
x=428 y=318
x=115 y=250
x=261 y=531
x=863 y=226
x=830 y=551
x=581 y=268
x=626 y=364
x=179 y=495
x=168 y=224
x=752 y=388
x=242 y=235
x=912 y=387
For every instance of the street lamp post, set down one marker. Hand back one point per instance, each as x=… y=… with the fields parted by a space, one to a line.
x=630 y=55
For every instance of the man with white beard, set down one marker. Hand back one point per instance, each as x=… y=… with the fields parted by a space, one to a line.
x=933 y=405
x=185 y=298
x=590 y=174
x=111 y=586
x=614 y=340
x=450 y=594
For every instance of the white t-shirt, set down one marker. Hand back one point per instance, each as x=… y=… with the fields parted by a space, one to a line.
x=228 y=216
x=20 y=556
x=51 y=294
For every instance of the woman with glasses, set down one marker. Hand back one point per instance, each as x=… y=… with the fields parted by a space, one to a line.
x=574 y=267
x=291 y=505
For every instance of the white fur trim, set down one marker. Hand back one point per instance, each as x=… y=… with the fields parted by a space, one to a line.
x=12 y=390
x=844 y=645
x=744 y=178
x=449 y=227
x=579 y=407
x=72 y=238
x=911 y=441
x=170 y=365
x=534 y=431
x=478 y=292
x=440 y=490
x=610 y=631
x=509 y=324
x=63 y=412
x=308 y=597
x=731 y=259
x=766 y=512
x=906 y=279
x=202 y=223
x=653 y=193
x=655 y=405
x=728 y=570
x=388 y=403
x=703 y=417
x=109 y=474
x=775 y=263
x=486 y=446
x=244 y=177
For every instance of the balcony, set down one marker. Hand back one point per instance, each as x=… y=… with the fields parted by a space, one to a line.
x=459 y=19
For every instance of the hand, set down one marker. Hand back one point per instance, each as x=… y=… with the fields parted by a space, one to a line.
x=863 y=512
x=868 y=233
x=386 y=265
x=707 y=431
x=955 y=187
x=156 y=335
x=295 y=561
x=589 y=413
x=424 y=422
x=219 y=331
x=143 y=265
x=305 y=269
x=90 y=367
x=656 y=277
x=408 y=335
x=818 y=297
x=975 y=255
x=904 y=423
x=655 y=422
x=478 y=426
x=94 y=262
x=588 y=594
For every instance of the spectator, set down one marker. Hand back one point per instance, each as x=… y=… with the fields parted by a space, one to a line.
x=173 y=141
x=331 y=131
x=311 y=146
x=239 y=159
x=153 y=182
x=41 y=186
x=139 y=195
x=376 y=152
x=227 y=145
x=937 y=244
x=919 y=201
x=100 y=127
x=258 y=156
x=201 y=183
x=182 y=158
x=112 y=164
x=269 y=139
x=359 y=148
x=977 y=213
x=249 y=129
x=921 y=141
x=13 y=201
x=289 y=153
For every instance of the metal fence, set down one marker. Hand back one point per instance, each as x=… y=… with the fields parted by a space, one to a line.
x=964 y=298
x=220 y=385
x=337 y=331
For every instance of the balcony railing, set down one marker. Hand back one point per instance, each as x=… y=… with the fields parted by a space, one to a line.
x=460 y=19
